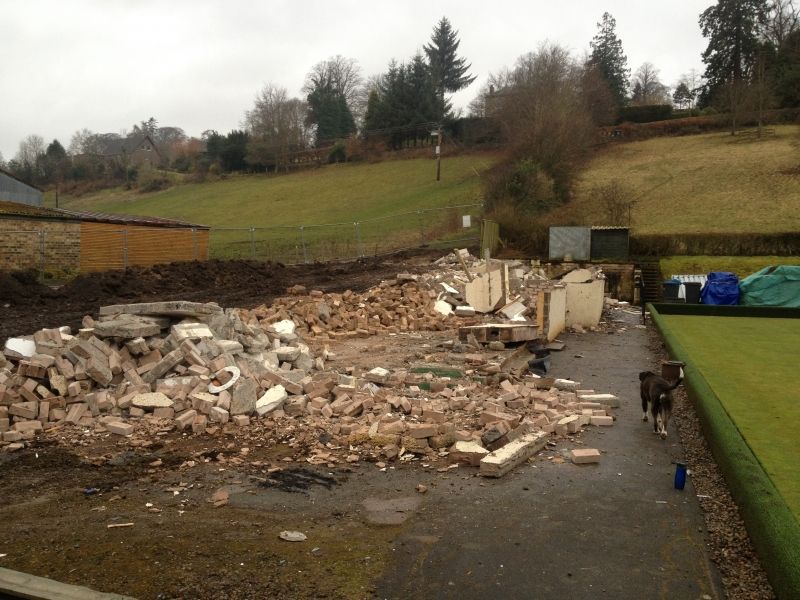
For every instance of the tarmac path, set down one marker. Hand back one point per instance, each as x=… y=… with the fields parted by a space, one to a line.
x=552 y=529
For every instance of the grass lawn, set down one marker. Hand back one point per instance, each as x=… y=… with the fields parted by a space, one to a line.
x=699 y=183
x=750 y=364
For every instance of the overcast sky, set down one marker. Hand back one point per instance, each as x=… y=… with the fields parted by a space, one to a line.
x=198 y=64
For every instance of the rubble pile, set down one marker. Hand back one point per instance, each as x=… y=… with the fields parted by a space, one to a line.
x=413 y=302
x=397 y=305
x=146 y=369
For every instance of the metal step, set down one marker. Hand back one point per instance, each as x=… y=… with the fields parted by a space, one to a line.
x=651 y=275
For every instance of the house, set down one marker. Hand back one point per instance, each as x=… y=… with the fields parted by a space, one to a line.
x=13 y=189
x=135 y=150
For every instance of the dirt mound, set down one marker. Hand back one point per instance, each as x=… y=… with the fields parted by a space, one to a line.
x=20 y=287
x=229 y=283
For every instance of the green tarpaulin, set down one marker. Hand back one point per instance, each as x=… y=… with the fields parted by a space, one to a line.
x=772 y=286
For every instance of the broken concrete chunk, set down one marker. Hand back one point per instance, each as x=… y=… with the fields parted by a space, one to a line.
x=19 y=348
x=443 y=308
x=566 y=385
x=126 y=328
x=500 y=462
x=191 y=331
x=464 y=311
x=151 y=401
x=178 y=308
x=467 y=453
x=272 y=399
x=286 y=327
x=243 y=399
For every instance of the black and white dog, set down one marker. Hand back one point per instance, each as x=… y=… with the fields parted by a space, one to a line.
x=657 y=399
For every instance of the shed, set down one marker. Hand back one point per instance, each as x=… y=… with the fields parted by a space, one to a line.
x=610 y=243
x=13 y=189
x=59 y=240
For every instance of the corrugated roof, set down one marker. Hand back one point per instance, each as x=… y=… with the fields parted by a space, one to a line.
x=604 y=227
x=16 y=209
x=98 y=217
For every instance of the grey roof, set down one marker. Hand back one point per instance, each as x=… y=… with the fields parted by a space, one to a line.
x=10 y=174
x=119 y=146
x=145 y=221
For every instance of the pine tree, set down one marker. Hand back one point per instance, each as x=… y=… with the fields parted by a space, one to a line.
x=732 y=29
x=682 y=96
x=608 y=58
x=447 y=70
x=327 y=108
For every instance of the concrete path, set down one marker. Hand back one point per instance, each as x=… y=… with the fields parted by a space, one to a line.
x=613 y=530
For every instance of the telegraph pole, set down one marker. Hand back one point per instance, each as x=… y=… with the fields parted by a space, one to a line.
x=438 y=134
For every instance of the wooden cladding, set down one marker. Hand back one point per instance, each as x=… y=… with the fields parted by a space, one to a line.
x=113 y=246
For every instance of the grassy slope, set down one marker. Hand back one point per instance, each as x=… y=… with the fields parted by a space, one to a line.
x=750 y=378
x=336 y=193
x=700 y=183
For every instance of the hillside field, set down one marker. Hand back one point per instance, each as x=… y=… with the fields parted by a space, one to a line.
x=371 y=195
x=700 y=183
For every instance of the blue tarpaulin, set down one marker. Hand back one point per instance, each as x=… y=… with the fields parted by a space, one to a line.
x=720 y=288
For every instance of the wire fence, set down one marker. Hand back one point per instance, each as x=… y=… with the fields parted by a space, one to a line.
x=89 y=247
x=433 y=227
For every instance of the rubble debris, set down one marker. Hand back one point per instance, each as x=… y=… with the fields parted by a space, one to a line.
x=500 y=462
x=293 y=536
x=583 y=456
x=142 y=370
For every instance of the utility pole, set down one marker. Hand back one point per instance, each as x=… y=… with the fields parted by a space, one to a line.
x=438 y=134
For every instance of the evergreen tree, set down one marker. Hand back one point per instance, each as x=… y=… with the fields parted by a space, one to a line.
x=328 y=110
x=682 y=96
x=448 y=71
x=607 y=57
x=732 y=30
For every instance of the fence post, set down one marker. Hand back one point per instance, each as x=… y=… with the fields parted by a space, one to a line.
x=42 y=245
x=252 y=242
x=303 y=241
x=421 y=228
x=359 y=246
x=125 y=248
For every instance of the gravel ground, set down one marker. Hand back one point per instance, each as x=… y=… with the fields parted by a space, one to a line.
x=729 y=543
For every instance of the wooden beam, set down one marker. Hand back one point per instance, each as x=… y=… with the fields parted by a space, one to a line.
x=22 y=585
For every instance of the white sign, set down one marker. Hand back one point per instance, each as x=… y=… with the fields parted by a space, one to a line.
x=438 y=150
x=466 y=221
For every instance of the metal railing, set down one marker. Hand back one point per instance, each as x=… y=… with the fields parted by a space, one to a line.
x=350 y=240
x=97 y=249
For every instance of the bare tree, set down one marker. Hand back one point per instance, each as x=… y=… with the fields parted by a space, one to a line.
x=647 y=88
x=782 y=20
x=545 y=117
x=277 y=126
x=343 y=75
